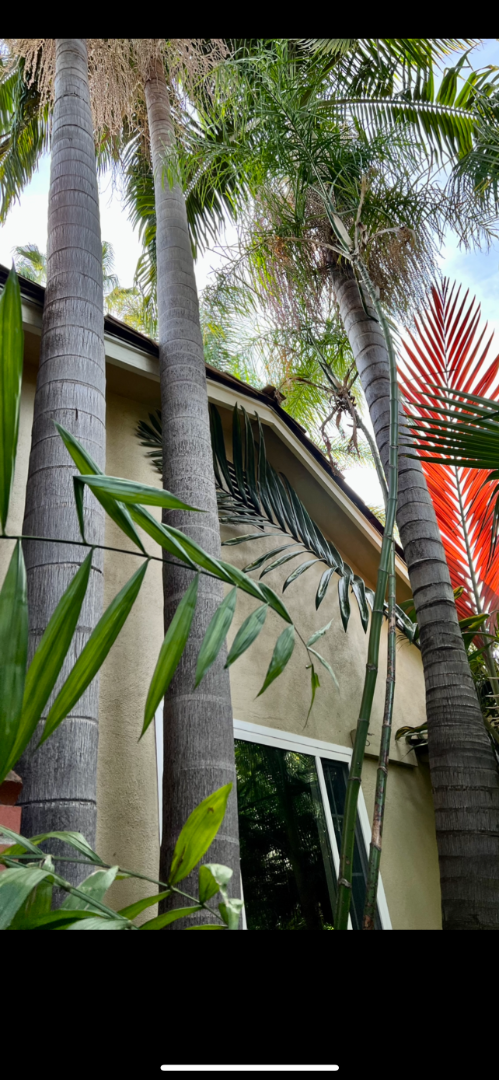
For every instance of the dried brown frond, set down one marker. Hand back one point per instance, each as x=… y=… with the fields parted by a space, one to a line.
x=117 y=68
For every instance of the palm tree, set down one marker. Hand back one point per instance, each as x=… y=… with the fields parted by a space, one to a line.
x=313 y=164
x=59 y=780
x=122 y=74
x=32 y=264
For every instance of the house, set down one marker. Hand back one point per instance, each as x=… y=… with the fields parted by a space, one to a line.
x=292 y=770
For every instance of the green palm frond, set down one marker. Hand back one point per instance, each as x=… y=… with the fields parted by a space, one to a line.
x=24 y=133
x=31 y=263
x=251 y=494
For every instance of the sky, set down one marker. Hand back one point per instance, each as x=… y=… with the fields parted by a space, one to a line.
x=27 y=223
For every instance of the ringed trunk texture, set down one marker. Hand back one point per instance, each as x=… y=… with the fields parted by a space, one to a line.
x=198 y=724
x=59 y=780
x=464 y=776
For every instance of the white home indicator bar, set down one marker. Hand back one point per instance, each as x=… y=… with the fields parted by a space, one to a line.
x=250 y=1068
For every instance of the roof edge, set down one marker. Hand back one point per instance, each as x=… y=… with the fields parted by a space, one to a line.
x=35 y=293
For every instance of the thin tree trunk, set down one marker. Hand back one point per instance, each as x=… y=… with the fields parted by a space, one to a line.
x=198 y=725
x=464 y=776
x=59 y=780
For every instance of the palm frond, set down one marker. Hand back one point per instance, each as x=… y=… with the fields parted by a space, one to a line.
x=451 y=350
x=24 y=133
x=252 y=495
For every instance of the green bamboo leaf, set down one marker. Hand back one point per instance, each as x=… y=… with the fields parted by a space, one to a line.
x=52 y=920
x=282 y=653
x=323 y=584
x=343 y=587
x=95 y=651
x=19 y=843
x=319 y=633
x=314 y=678
x=296 y=573
x=247 y=633
x=213 y=878
x=95 y=886
x=13 y=654
x=127 y=491
x=11 y=370
x=171 y=651
x=215 y=635
x=274 y=602
x=170 y=916
x=16 y=884
x=86 y=464
x=359 y=591
x=49 y=657
x=162 y=534
x=133 y=910
x=208 y=885
x=36 y=906
x=198 y=832
x=98 y=922
x=75 y=839
x=231 y=912
x=327 y=666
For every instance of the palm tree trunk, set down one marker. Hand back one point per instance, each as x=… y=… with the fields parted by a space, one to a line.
x=464 y=776
x=59 y=780
x=198 y=725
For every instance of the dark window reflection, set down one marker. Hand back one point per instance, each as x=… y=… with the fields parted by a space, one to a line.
x=286 y=862
x=336 y=777
x=287 y=867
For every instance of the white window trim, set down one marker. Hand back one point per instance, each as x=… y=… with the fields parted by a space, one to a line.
x=287 y=740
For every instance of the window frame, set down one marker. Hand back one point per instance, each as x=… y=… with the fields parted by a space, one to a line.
x=316 y=748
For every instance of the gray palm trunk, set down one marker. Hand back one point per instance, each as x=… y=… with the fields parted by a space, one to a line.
x=59 y=780
x=464 y=776
x=198 y=724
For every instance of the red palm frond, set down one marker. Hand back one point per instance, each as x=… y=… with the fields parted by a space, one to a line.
x=449 y=349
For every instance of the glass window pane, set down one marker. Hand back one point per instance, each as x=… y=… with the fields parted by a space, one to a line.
x=286 y=861
x=336 y=777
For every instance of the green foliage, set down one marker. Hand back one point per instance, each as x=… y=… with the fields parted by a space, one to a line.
x=24 y=695
x=11 y=367
x=24 y=133
x=26 y=885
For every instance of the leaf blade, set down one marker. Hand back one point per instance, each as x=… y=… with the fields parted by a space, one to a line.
x=215 y=635
x=13 y=654
x=198 y=832
x=171 y=652
x=11 y=369
x=282 y=653
x=94 y=652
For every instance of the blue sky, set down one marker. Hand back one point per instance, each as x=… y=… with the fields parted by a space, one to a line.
x=478 y=271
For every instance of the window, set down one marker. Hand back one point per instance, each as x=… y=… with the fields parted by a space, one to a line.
x=291 y=796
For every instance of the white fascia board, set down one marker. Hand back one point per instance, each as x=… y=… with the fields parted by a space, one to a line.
x=32 y=317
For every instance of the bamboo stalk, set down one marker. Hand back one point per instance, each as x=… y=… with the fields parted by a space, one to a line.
x=355 y=774
x=384 y=754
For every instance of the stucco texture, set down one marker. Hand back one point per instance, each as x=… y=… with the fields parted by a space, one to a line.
x=127 y=828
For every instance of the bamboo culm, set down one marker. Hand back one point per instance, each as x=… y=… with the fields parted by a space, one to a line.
x=355 y=775
x=384 y=754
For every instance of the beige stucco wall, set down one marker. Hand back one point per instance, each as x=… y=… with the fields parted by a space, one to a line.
x=127 y=788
